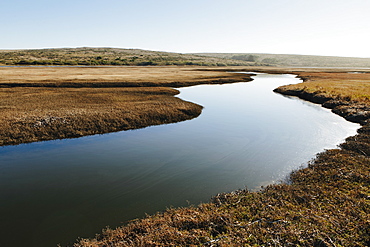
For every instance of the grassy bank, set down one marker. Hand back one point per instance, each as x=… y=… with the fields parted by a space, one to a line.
x=36 y=114
x=350 y=86
x=53 y=103
x=325 y=204
x=347 y=93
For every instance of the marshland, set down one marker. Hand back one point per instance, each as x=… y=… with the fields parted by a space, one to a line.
x=39 y=103
x=57 y=186
x=324 y=203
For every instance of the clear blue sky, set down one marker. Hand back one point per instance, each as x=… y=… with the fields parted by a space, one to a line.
x=311 y=27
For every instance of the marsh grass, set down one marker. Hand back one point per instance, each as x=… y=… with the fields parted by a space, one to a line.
x=35 y=114
x=39 y=104
x=347 y=94
x=341 y=85
x=325 y=204
x=113 y=76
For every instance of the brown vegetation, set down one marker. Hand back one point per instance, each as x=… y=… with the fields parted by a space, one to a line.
x=348 y=94
x=52 y=103
x=35 y=114
x=113 y=76
x=343 y=85
x=324 y=204
x=109 y=56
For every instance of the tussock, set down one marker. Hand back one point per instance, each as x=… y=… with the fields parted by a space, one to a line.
x=36 y=114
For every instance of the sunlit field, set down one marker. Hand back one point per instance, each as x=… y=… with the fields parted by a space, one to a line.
x=113 y=76
x=45 y=103
x=345 y=85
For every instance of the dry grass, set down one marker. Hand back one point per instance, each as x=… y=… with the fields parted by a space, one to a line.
x=45 y=103
x=112 y=76
x=350 y=86
x=347 y=93
x=34 y=114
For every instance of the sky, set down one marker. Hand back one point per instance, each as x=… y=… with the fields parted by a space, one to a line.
x=308 y=27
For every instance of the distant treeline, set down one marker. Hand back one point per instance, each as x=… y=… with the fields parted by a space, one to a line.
x=109 y=56
x=293 y=60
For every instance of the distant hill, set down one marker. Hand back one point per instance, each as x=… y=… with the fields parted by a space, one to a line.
x=136 y=57
x=109 y=56
x=293 y=60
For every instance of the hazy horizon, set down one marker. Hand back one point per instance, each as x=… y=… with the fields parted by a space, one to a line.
x=10 y=49
x=294 y=27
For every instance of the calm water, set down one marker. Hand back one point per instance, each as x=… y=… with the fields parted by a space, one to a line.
x=53 y=192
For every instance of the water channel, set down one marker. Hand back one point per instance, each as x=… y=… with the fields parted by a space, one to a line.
x=55 y=191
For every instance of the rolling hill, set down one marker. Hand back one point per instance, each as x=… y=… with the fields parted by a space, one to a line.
x=293 y=60
x=109 y=56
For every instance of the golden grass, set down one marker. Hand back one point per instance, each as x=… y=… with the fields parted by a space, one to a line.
x=346 y=93
x=113 y=76
x=351 y=86
x=45 y=103
x=34 y=114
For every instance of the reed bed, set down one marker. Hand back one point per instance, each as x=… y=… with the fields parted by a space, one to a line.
x=36 y=114
x=46 y=103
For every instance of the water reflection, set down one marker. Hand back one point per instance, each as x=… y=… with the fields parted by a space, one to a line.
x=247 y=135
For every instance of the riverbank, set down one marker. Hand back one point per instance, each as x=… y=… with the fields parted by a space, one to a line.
x=325 y=204
x=47 y=103
x=346 y=93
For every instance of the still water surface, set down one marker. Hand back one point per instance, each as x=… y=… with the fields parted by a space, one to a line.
x=55 y=191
